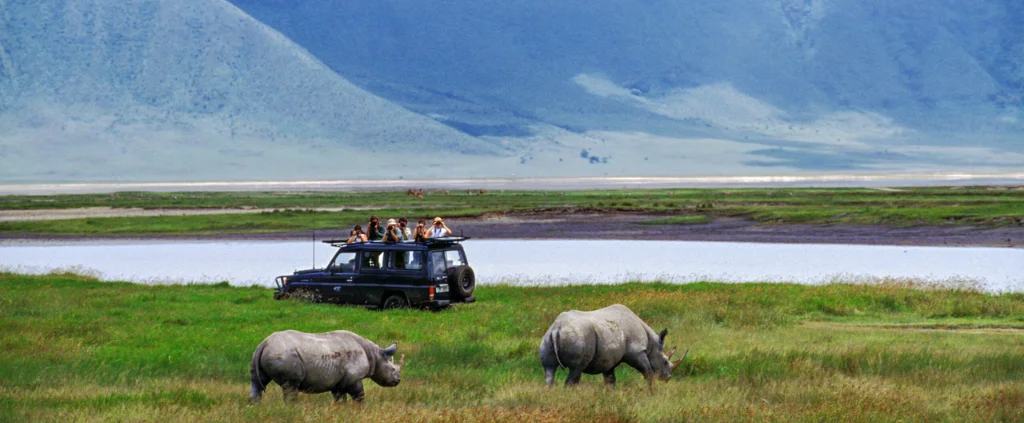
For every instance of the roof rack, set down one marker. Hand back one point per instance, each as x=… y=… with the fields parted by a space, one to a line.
x=445 y=239
x=428 y=241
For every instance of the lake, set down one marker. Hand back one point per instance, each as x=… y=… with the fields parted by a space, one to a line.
x=539 y=262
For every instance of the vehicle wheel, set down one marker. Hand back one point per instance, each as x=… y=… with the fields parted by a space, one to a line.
x=393 y=301
x=463 y=282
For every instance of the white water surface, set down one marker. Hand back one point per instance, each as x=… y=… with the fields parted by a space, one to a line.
x=540 y=262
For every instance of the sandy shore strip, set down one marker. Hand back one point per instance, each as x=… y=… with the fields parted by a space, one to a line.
x=577 y=183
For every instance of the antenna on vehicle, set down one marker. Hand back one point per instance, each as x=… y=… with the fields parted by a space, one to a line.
x=315 y=203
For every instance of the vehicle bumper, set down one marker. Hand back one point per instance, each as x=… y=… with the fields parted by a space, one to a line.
x=437 y=304
x=469 y=299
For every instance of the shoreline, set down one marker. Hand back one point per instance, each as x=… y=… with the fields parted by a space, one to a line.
x=853 y=180
x=582 y=225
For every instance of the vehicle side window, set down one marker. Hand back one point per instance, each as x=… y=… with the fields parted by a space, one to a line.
x=437 y=262
x=373 y=260
x=453 y=258
x=344 y=263
x=408 y=260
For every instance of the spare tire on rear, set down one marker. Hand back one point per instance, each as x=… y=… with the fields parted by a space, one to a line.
x=462 y=282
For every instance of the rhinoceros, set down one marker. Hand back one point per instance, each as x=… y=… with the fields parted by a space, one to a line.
x=314 y=363
x=596 y=342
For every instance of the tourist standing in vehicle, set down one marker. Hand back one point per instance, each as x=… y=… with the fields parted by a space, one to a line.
x=403 y=228
x=373 y=230
x=420 y=234
x=356 y=235
x=439 y=230
x=392 y=233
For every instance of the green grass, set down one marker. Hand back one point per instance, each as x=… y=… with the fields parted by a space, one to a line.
x=987 y=206
x=75 y=349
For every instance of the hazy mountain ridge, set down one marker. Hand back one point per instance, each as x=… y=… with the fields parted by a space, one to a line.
x=258 y=89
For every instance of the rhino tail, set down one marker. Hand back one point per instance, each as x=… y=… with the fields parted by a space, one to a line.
x=254 y=366
x=554 y=345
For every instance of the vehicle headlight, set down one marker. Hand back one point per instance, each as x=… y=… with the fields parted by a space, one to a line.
x=284 y=281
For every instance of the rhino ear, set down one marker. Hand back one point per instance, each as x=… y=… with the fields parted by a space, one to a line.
x=661 y=337
x=390 y=351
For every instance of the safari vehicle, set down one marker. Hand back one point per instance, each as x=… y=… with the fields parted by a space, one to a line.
x=432 y=274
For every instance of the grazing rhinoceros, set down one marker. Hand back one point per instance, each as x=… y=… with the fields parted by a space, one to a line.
x=597 y=341
x=335 y=361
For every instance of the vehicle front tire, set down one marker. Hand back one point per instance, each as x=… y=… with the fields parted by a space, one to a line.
x=394 y=301
x=463 y=282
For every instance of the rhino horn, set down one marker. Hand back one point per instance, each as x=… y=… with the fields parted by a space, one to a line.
x=679 y=361
x=673 y=351
x=390 y=351
x=401 y=361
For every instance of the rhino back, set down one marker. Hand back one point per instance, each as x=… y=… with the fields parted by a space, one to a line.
x=620 y=319
x=613 y=333
x=314 y=362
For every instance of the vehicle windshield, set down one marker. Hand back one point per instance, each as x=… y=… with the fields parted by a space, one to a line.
x=344 y=263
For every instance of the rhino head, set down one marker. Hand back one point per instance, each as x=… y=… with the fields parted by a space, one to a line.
x=387 y=371
x=661 y=363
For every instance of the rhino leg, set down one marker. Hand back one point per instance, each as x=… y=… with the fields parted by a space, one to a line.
x=548 y=360
x=289 y=392
x=609 y=378
x=339 y=394
x=355 y=390
x=573 y=378
x=549 y=375
x=642 y=365
x=259 y=384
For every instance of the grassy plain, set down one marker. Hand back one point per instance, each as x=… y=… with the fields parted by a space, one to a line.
x=988 y=206
x=75 y=349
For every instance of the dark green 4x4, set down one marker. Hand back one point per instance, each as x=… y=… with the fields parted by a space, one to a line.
x=431 y=274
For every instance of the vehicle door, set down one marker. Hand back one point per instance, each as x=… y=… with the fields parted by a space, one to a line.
x=371 y=276
x=407 y=273
x=339 y=282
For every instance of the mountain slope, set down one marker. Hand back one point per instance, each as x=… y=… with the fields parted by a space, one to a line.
x=184 y=90
x=943 y=65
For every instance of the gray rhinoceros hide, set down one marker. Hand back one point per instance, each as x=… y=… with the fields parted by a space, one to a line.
x=335 y=361
x=596 y=342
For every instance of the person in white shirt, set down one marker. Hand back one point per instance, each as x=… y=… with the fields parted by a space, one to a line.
x=439 y=230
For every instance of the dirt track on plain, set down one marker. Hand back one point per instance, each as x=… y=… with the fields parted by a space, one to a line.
x=574 y=224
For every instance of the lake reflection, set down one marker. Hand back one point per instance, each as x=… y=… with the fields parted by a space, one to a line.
x=540 y=262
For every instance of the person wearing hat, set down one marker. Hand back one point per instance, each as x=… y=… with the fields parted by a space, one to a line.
x=439 y=229
x=392 y=233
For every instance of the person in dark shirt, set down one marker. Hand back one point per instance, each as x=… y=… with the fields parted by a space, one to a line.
x=373 y=229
